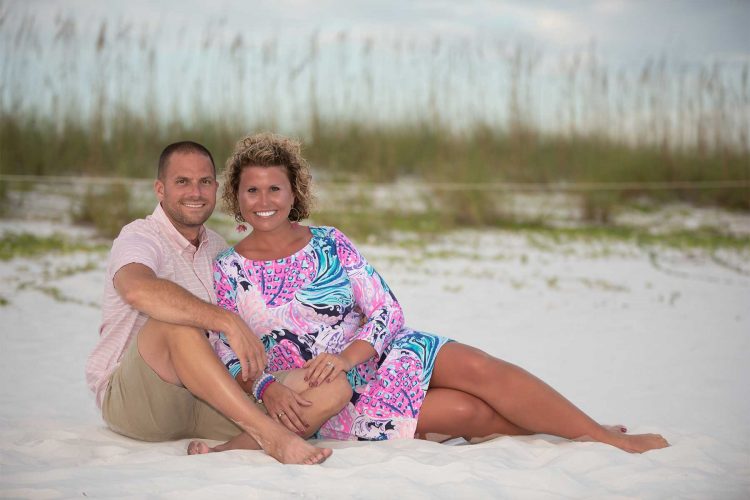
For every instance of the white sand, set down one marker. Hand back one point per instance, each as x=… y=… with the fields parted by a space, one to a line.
x=655 y=340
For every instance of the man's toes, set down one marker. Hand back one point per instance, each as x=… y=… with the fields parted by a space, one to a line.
x=197 y=448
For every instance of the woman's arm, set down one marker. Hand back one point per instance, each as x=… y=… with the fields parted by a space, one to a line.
x=384 y=317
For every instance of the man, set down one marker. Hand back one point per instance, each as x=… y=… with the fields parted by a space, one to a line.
x=153 y=371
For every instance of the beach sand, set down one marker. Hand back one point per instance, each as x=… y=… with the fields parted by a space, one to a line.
x=655 y=339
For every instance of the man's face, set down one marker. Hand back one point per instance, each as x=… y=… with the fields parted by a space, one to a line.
x=187 y=191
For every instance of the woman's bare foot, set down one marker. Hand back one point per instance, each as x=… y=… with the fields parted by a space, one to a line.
x=612 y=429
x=616 y=436
x=639 y=443
x=616 y=428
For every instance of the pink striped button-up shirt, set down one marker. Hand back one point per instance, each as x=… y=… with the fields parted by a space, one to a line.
x=155 y=243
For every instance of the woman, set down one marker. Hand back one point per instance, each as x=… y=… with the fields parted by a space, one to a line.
x=318 y=304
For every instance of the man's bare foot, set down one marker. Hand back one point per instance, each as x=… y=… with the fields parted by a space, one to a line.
x=198 y=448
x=296 y=451
x=288 y=453
x=289 y=448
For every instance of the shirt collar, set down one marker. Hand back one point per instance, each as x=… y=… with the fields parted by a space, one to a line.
x=173 y=235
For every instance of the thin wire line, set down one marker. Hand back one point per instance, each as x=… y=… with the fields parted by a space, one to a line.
x=438 y=186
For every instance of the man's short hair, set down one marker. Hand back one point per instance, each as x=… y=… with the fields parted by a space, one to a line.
x=182 y=147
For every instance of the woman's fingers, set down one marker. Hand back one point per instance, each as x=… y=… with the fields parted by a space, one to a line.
x=284 y=419
x=293 y=416
x=332 y=376
x=322 y=371
x=323 y=368
x=313 y=369
x=302 y=401
x=296 y=419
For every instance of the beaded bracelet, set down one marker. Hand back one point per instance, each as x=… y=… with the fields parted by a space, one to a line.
x=261 y=384
x=263 y=389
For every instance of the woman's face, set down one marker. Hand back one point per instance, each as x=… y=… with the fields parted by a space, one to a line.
x=265 y=197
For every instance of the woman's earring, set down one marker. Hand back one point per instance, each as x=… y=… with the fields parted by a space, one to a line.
x=294 y=214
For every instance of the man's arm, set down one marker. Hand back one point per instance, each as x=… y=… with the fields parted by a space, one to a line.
x=168 y=302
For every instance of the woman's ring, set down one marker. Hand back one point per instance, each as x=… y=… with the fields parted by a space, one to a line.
x=280 y=414
x=329 y=363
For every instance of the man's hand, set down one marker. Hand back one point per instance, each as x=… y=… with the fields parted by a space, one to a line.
x=285 y=406
x=246 y=345
x=324 y=368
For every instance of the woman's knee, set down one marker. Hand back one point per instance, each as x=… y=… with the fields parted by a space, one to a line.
x=330 y=397
x=341 y=392
x=471 y=411
x=453 y=412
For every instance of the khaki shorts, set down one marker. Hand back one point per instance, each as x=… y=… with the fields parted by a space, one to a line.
x=140 y=405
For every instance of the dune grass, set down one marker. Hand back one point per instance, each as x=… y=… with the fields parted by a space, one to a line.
x=24 y=244
x=448 y=111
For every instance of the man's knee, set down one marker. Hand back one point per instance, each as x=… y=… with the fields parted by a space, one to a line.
x=158 y=340
x=167 y=331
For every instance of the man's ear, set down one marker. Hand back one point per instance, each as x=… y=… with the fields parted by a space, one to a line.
x=159 y=189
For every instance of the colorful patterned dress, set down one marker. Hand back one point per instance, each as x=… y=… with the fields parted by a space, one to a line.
x=320 y=299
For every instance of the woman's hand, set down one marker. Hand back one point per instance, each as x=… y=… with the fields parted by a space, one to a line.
x=324 y=368
x=285 y=406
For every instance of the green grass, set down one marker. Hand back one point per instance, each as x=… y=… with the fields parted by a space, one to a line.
x=107 y=210
x=15 y=244
x=381 y=227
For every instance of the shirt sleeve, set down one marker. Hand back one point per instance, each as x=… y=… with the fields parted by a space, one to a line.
x=226 y=295
x=383 y=315
x=135 y=247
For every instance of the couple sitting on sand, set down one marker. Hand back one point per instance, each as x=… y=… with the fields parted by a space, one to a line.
x=290 y=333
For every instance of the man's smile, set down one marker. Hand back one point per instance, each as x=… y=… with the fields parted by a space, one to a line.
x=193 y=204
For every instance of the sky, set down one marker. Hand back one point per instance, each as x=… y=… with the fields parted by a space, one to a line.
x=690 y=29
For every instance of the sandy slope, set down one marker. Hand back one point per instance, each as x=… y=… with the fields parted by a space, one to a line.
x=656 y=340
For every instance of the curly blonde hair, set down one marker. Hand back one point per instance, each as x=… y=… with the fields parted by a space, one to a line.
x=268 y=150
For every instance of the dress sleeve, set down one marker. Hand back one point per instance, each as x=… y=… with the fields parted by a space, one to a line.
x=383 y=315
x=226 y=294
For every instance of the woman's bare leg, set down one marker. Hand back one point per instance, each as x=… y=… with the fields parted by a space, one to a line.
x=182 y=356
x=524 y=400
x=327 y=400
x=447 y=413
